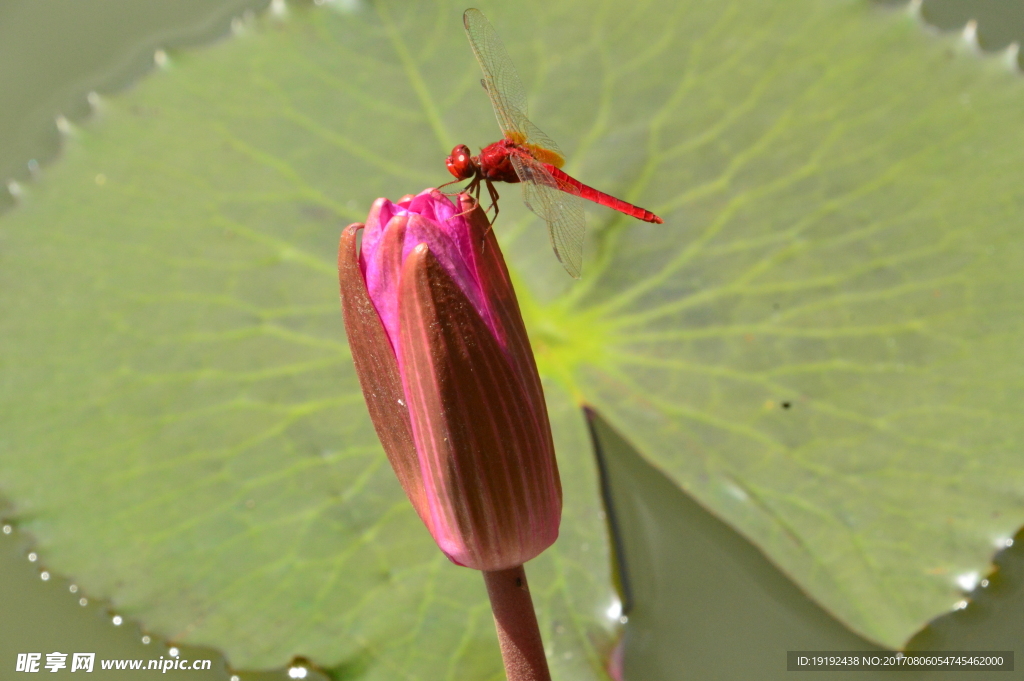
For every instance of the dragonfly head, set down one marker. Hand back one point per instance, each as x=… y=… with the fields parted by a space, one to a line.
x=460 y=163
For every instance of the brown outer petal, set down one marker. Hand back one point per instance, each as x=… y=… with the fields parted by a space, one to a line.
x=497 y=288
x=489 y=470
x=377 y=368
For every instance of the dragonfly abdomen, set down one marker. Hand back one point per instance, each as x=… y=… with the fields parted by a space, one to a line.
x=601 y=198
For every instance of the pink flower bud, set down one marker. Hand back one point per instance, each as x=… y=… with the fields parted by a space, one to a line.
x=449 y=378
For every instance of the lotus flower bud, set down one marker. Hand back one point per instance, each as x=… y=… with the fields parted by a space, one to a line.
x=449 y=378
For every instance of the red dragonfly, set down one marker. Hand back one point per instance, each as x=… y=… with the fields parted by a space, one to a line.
x=527 y=155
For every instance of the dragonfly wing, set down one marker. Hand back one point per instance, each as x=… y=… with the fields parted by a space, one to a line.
x=560 y=206
x=505 y=89
x=501 y=80
x=542 y=146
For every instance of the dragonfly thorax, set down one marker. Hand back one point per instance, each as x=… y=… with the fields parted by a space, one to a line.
x=495 y=161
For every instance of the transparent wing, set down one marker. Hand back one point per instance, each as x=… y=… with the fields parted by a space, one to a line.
x=560 y=206
x=542 y=146
x=508 y=96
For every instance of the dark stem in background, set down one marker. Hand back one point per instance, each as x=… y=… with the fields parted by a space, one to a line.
x=521 y=647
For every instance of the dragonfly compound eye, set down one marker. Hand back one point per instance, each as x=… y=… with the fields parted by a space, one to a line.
x=460 y=164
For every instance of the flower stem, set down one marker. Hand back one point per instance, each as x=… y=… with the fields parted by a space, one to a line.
x=521 y=646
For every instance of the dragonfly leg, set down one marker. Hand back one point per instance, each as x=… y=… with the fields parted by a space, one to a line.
x=492 y=192
x=472 y=189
